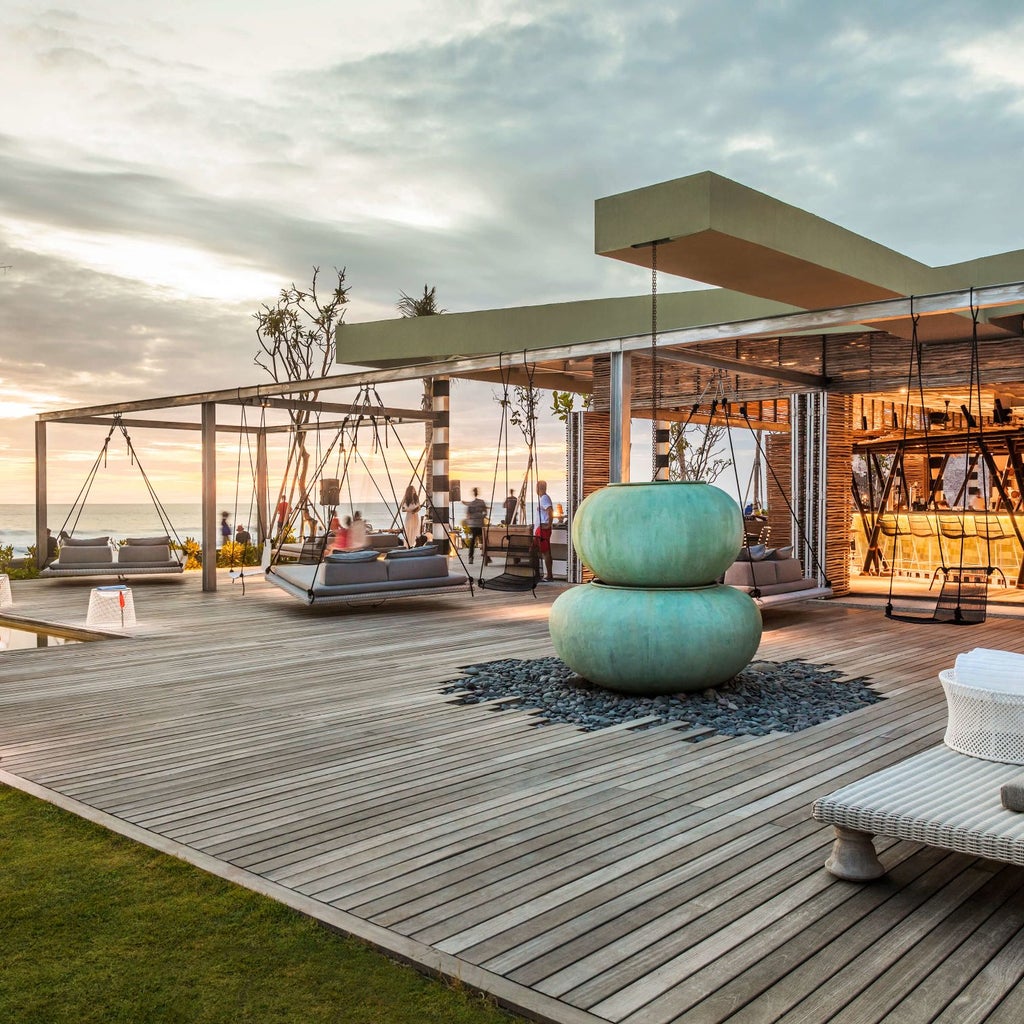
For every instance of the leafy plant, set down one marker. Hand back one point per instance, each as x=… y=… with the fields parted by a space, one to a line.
x=193 y=552
x=695 y=452
x=26 y=567
x=232 y=554
x=297 y=342
x=563 y=404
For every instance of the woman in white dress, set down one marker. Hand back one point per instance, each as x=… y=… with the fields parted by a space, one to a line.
x=411 y=506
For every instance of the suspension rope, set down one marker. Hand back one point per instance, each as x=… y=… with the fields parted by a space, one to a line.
x=898 y=466
x=78 y=506
x=801 y=534
x=654 y=335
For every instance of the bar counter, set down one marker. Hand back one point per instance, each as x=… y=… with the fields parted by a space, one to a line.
x=918 y=543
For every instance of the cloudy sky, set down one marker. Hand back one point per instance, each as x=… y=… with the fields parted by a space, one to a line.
x=164 y=174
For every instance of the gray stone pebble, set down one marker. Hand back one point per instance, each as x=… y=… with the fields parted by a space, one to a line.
x=765 y=697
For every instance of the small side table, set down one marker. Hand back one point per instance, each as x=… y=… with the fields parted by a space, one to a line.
x=111 y=606
x=6 y=597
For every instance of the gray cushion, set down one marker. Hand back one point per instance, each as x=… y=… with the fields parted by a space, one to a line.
x=789 y=571
x=420 y=552
x=129 y=554
x=361 y=555
x=753 y=553
x=146 y=541
x=1012 y=794
x=340 y=573
x=383 y=541
x=84 y=542
x=780 y=554
x=427 y=568
x=739 y=574
x=97 y=554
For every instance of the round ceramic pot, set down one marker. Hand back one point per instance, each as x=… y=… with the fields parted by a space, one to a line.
x=660 y=534
x=655 y=641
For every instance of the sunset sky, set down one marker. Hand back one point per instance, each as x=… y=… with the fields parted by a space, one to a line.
x=165 y=171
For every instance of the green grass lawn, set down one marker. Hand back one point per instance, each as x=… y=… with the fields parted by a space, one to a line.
x=94 y=927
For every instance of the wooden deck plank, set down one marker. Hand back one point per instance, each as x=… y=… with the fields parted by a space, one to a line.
x=629 y=874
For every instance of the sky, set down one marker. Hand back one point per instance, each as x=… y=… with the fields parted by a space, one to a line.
x=164 y=172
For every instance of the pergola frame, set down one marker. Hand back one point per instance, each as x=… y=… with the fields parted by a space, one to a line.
x=669 y=344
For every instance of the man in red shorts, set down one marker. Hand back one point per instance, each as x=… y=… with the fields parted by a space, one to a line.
x=545 y=510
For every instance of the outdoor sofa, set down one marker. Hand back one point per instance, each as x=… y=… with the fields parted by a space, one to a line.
x=772 y=576
x=368 y=576
x=101 y=556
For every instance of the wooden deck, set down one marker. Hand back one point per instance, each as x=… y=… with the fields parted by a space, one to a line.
x=627 y=875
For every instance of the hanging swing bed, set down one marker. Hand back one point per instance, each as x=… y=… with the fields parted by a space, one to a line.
x=104 y=556
x=323 y=574
x=773 y=577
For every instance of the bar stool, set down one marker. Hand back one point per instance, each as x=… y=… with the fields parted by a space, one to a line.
x=889 y=526
x=924 y=528
x=960 y=530
x=991 y=536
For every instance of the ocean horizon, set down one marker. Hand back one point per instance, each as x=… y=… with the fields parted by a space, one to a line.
x=17 y=521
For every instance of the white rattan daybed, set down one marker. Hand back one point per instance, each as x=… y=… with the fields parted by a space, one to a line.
x=955 y=796
x=941 y=798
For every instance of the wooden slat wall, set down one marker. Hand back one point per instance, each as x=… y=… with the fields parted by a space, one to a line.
x=588 y=458
x=779 y=452
x=856 y=363
x=860 y=364
x=838 y=498
x=681 y=386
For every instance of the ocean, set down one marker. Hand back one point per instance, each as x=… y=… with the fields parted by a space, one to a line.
x=17 y=522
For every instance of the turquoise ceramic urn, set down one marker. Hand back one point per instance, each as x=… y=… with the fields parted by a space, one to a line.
x=655 y=641
x=656 y=622
x=660 y=534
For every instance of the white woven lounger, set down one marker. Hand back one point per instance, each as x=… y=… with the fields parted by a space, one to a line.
x=114 y=569
x=940 y=798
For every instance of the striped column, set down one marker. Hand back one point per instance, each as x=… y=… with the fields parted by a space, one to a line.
x=439 y=460
x=661 y=438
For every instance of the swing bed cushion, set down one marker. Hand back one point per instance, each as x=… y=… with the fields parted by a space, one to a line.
x=352 y=577
x=778 y=580
x=98 y=556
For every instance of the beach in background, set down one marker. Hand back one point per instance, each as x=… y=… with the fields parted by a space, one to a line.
x=17 y=522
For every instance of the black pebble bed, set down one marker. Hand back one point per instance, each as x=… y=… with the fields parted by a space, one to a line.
x=765 y=697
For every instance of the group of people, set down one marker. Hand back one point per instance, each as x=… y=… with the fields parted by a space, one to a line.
x=350 y=532
x=242 y=534
x=476 y=513
x=346 y=534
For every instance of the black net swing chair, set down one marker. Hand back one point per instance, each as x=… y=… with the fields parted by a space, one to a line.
x=107 y=556
x=378 y=568
x=963 y=598
x=521 y=571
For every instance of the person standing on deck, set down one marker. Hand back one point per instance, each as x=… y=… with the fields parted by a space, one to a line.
x=283 y=508
x=476 y=510
x=545 y=510
x=510 y=504
x=225 y=529
x=411 y=506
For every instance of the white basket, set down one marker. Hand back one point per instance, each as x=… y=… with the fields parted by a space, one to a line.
x=984 y=723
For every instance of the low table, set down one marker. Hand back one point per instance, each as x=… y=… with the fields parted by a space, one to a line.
x=940 y=798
